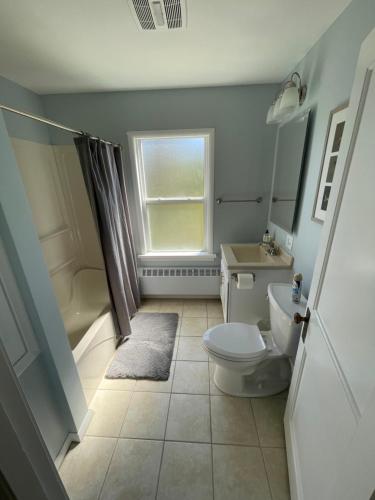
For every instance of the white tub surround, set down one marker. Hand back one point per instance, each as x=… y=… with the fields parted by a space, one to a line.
x=89 y=299
x=63 y=220
x=89 y=326
x=93 y=353
x=61 y=211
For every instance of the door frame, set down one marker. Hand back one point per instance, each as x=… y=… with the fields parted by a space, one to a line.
x=355 y=110
x=26 y=465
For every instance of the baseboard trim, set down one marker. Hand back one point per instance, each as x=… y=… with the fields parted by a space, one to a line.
x=73 y=437
x=84 y=426
x=63 y=451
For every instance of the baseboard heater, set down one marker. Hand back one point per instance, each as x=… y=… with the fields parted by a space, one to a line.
x=180 y=281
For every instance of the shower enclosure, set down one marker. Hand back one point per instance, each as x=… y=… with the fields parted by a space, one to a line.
x=54 y=185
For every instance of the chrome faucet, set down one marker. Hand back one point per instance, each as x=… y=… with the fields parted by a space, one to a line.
x=273 y=249
x=270 y=248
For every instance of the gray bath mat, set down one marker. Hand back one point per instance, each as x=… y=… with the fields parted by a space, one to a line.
x=149 y=350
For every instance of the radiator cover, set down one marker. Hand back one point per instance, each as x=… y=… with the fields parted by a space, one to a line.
x=179 y=281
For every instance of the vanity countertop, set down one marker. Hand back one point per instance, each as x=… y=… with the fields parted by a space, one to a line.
x=242 y=256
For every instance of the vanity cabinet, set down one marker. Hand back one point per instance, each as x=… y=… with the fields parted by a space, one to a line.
x=250 y=306
x=224 y=289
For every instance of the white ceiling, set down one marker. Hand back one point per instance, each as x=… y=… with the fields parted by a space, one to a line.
x=53 y=46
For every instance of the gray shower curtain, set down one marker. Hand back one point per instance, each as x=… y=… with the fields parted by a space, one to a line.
x=103 y=171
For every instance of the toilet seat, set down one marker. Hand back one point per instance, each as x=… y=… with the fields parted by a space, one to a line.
x=235 y=342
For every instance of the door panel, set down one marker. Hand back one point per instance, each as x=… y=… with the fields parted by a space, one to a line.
x=351 y=266
x=28 y=360
x=10 y=334
x=320 y=435
x=359 y=459
x=330 y=412
x=16 y=332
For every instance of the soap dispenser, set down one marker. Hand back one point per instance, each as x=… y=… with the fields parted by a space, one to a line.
x=267 y=237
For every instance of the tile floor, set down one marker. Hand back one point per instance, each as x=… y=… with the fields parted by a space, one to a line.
x=180 y=439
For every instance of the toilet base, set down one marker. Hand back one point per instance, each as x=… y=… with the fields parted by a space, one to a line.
x=270 y=378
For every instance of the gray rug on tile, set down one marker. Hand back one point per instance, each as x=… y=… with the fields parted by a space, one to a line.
x=148 y=352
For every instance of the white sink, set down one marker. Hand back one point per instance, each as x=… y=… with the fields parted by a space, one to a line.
x=249 y=255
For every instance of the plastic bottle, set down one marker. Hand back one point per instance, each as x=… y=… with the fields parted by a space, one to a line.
x=266 y=237
x=297 y=287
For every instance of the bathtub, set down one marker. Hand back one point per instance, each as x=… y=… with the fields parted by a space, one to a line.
x=89 y=326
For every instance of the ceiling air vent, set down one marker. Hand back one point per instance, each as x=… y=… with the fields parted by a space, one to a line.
x=159 y=15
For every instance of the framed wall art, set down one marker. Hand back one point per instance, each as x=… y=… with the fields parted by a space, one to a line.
x=334 y=135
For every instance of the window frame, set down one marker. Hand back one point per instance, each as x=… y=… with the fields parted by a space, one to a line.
x=134 y=138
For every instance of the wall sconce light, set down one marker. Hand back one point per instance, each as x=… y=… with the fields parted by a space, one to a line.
x=292 y=95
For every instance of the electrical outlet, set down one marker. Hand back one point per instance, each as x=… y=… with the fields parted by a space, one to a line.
x=289 y=242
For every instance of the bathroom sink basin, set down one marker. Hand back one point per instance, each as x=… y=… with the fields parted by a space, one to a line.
x=253 y=255
x=250 y=253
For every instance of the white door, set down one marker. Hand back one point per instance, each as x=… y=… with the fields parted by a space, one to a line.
x=25 y=462
x=16 y=332
x=330 y=415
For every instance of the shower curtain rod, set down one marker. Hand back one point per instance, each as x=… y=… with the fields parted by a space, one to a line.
x=53 y=123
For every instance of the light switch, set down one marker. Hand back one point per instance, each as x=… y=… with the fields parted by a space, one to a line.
x=289 y=242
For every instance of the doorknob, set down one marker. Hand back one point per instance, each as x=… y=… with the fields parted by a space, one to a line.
x=305 y=320
x=301 y=319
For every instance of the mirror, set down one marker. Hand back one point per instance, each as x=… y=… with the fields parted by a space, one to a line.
x=289 y=160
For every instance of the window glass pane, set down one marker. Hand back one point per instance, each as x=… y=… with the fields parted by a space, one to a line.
x=173 y=166
x=176 y=226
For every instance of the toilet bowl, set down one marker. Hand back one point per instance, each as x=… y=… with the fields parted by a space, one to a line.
x=251 y=363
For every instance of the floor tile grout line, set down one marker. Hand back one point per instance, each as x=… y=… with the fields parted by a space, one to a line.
x=251 y=410
x=252 y=413
x=161 y=440
x=127 y=411
x=192 y=360
x=187 y=394
x=267 y=475
x=165 y=429
x=162 y=451
x=211 y=444
x=106 y=473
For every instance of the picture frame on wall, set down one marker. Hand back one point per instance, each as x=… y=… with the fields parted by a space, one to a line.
x=335 y=130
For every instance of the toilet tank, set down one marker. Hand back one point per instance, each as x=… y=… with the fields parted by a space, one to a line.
x=285 y=332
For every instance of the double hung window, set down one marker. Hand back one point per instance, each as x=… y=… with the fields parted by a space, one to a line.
x=174 y=176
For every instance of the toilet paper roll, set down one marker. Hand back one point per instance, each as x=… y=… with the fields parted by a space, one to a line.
x=245 y=281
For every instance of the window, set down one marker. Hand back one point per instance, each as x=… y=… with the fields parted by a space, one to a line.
x=174 y=177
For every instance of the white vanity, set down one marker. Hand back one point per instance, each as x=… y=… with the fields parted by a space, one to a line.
x=250 y=305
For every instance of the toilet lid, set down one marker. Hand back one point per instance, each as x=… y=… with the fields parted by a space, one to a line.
x=235 y=341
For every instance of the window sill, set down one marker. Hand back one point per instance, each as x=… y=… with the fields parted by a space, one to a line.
x=178 y=256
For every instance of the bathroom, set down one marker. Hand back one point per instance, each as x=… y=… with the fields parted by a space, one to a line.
x=207 y=427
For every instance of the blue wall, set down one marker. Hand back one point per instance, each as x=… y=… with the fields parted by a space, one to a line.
x=244 y=146
x=243 y=142
x=18 y=97
x=328 y=69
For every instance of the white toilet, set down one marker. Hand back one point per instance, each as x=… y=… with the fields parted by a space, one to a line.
x=253 y=363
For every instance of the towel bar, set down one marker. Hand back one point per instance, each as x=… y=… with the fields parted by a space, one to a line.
x=219 y=201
